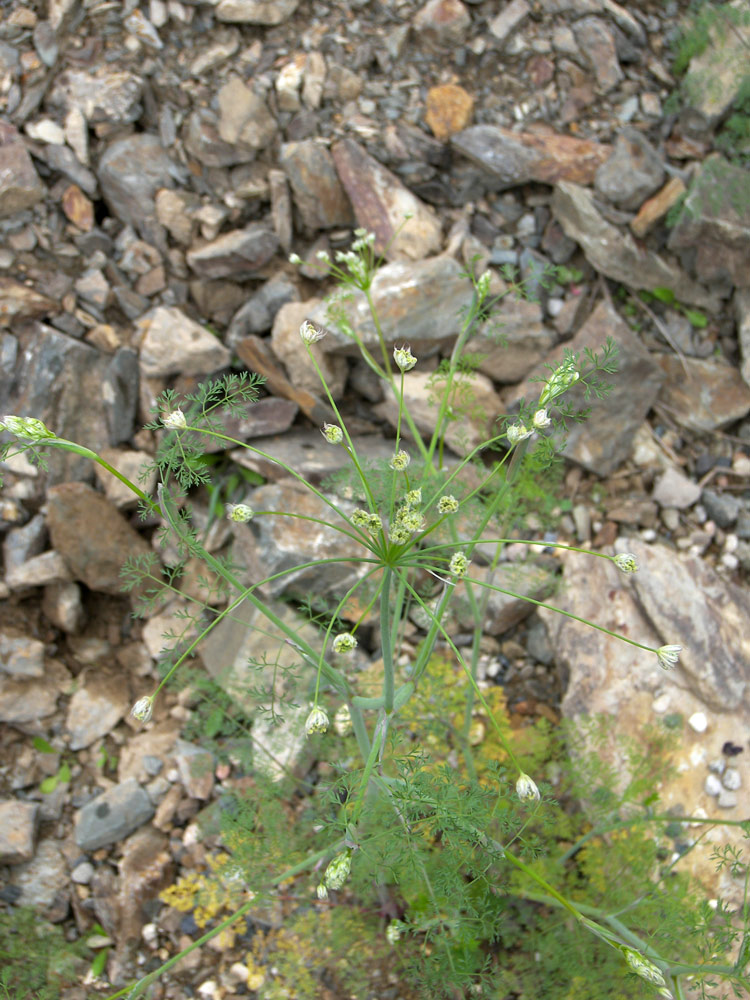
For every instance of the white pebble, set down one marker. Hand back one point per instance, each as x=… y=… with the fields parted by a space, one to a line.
x=718 y=765
x=661 y=703
x=648 y=535
x=698 y=722
x=730 y=543
x=712 y=785
x=150 y=935
x=208 y=989
x=727 y=799
x=730 y=560
x=731 y=779
x=555 y=306
x=699 y=813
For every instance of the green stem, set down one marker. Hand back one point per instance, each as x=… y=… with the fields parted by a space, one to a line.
x=64 y=445
x=385 y=639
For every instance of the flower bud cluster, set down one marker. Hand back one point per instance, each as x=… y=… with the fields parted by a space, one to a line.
x=332 y=433
x=338 y=871
x=364 y=240
x=447 y=504
x=239 y=512
x=526 y=789
x=355 y=265
x=626 y=562
x=408 y=521
x=344 y=642
x=310 y=334
x=517 y=432
x=644 y=968
x=404 y=359
x=364 y=519
x=143 y=708
x=668 y=656
x=459 y=564
x=26 y=428
x=400 y=461
x=561 y=379
x=317 y=721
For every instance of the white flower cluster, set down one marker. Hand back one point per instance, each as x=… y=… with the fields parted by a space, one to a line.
x=400 y=461
x=561 y=379
x=364 y=519
x=668 y=656
x=404 y=359
x=333 y=433
x=239 y=512
x=408 y=521
x=344 y=642
x=459 y=564
x=317 y=721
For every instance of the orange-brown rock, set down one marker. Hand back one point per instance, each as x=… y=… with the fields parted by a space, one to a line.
x=656 y=208
x=78 y=208
x=449 y=110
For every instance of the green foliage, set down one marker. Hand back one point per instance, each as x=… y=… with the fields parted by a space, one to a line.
x=707 y=19
x=36 y=962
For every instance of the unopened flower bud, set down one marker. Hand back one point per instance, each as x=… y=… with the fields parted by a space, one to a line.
x=644 y=968
x=333 y=433
x=404 y=358
x=338 y=871
x=400 y=461
x=344 y=642
x=321 y=891
x=517 y=432
x=317 y=721
x=483 y=285
x=458 y=564
x=541 y=419
x=310 y=334
x=294 y=258
x=526 y=789
x=447 y=504
x=175 y=420
x=668 y=656
x=143 y=708
x=626 y=562
x=394 y=930
x=26 y=428
x=413 y=497
x=239 y=512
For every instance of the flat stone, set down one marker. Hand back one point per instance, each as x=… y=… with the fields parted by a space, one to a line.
x=196 y=767
x=509 y=18
x=20 y=186
x=741 y=305
x=18 y=822
x=381 y=205
x=632 y=173
x=715 y=76
x=605 y=439
x=237 y=254
x=78 y=208
x=112 y=816
x=38 y=571
x=43 y=880
x=597 y=45
x=505 y=610
x=257 y=355
x=106 y=95
x=146 y=867
x=318 y=194
x=21 y=656
x=131 y=464
x=515 y=158
x=417 y=304
x=302 y=451
x=616 y=254
x=673 y=489
x=654 y=209
x=286 y=345
x=258 y=312
x=281 y=208
x=268 y=12
x=24 y=702
x=442 y=23
x=62 y=604
x=709 y=395
x=131 y=171
x=715 y=220
x=514 y=342
x=172 y=343
x=449 y=110
x=91 y=535
x=19 y=301
x=100 y=700
x=244 y=116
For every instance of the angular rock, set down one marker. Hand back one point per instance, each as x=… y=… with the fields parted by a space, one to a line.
x=237 y=254
x=259 y=311
x=21 y=656
x=604 y=440
x=18 y=822
x=145 y=868
x=318 y=194
x=449 y=109
x=172 y=343
x=596 y=42
x=106 y=95
x=673 y=489
x=175 y=210
x=258 y=357
x=245 y=119
x=131 y=464
x=24 y=702
x=24 y=542
x=20 y=186
x=442 y=23
x=91 y=535
x=515 y=158
x=509 y=18
x=381 y=204
x=715 y=220
x=48 y=568
x=632 y=173
x=131 y=171
x=513 y=342
x=653 y=210
x=196 y=767
x=711 y=395
x=742 y=314
x=112 y=816
x=100 y=700
x=421 y=396
x=120 y=390
x=417 y=303
x=302 y=451
x=203 y=142
x=283 y=749
x=616 y=254
x=285 y=344
x=281 y=208
x=43 y=880
x=268 y=12
x=62 y=605
x=18 y=301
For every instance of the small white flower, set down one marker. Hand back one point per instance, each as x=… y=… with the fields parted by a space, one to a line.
x=404 y=358
x=483 y=285
x=400 y=461
x=668 y=656
x=324 y=256
x=143 y=708
x=447 y=504
x=344 y=642
x=517 y=432
x=400 y=534
x=458 y=564
x=317 y=721
x=27 y=428
x=321 y=891
x=338 y=871
x=175 y=420
x=526 y=789
x=310 y=334
x=644 y=968
x=394 y=930
x=413 y=497
x=333 y=433
x=239 y=512
x=626 y=562
x=541 y=419
x=560 y=380
x=294 y=258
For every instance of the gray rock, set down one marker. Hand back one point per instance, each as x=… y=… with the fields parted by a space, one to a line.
x=105 y=95
x=120 y=390
x=727 y=799
x=196 y=767
x=258 y=313
x=715 y=222
x=712 y=785
x=673 y=489
x=91 y=535
x=285 y=343
x=267 y=12
x=731 y=779
x=64 y=160
x=21 y=656
x=741 y=304
x=18 y=822
x=632 y=173
x=131 y=464
x=441 y=23
x=704 y=395
x=49 y=568
x=505 y=610
x=20 y=544
x=509 y=18
x=417 y=303
x=239 y=254
x=62 y=605
x=112 y=816
x=281 y=208
x=172 y=343
x=722 y=508
x=381 y=205
x=616 y=254
x=597 y=45
x=245 y=120
x=43 y=880
x=18 y=301
x=318 y=194
x=303 y=452
x=131 y=171
x=100 y=700
x=715 y=76
x=82 y=873
x=24 y=702
x=20 y=186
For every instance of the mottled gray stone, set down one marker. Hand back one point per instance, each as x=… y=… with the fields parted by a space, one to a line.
x=196 y=767
x=632 y=173
x=106 y=95
x=714 y=77
x=258 y=313
x=112 y=816
x=120 y=391
x=18 y=822
x=673 y=489
x=245 y=120
x=20 y=186
x=131 y=171
x=100 y=700
x=703 y=395
x=268 y=12
x=318 y=194
x=24 y=702
x=172 y=343
x=239 y=254
x=43 y=880
x=21 y=656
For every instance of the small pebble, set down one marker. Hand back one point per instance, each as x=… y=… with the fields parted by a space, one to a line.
x=730 y=560
x=718 y=765
x=648 y=535
x=731 y=779
x=83 y=873
x=152 y=764
x=727 y=799
x=712 y=785
x=150 y=935
x=661 y=704
x=699 y=814
x=698 y=722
